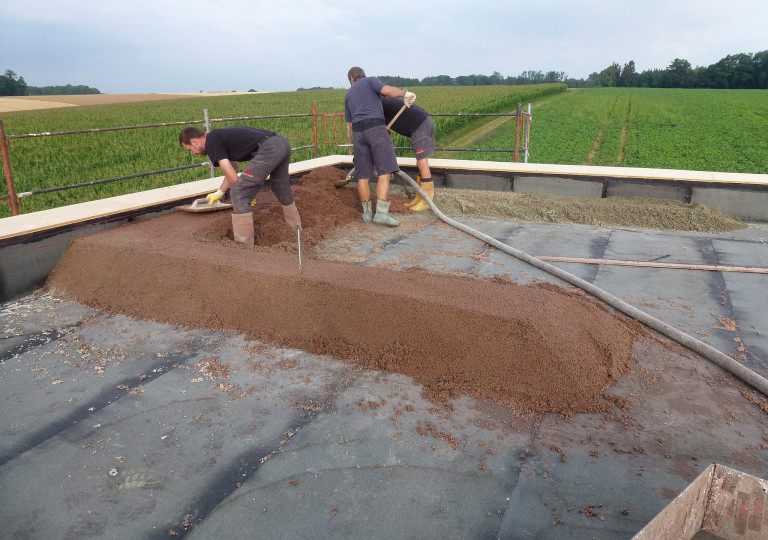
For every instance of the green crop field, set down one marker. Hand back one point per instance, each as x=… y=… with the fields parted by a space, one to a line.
x=45 y=162
x=707 y=130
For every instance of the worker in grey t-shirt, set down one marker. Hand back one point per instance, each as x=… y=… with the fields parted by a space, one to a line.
x=371 y=143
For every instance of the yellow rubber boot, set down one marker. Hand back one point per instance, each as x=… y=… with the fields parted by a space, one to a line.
x=429 y=187
x=417 y=198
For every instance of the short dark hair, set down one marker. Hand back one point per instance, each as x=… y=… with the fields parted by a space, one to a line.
x=355 y=73
x=189 y=133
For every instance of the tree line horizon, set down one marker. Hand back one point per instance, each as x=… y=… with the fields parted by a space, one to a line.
x=15 y=85
x=737 y=71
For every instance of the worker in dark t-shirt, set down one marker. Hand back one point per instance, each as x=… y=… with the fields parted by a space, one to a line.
x=414 y=122
x=267 y=154
x=371 y=143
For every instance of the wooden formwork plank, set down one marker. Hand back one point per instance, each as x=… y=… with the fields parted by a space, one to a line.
x=721 y=501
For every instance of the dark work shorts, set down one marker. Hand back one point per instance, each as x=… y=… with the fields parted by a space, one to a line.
x=271 y=159
x=374 y=147
x=423 y=139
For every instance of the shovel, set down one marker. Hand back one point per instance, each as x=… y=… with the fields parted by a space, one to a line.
x=396 y=117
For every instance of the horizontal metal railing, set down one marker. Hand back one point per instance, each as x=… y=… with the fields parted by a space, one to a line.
x=13 y=197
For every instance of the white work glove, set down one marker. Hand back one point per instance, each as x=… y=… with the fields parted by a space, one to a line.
x=409 y=98
x=213 y=197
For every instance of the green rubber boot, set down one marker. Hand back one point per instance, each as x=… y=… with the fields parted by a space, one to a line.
x=382 y=214
x=367 y=214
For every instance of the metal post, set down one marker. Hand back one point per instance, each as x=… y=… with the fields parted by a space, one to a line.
x=314 y=128
x=516 y=156
x=207 y=129
x=12 y=200
x=527 y=133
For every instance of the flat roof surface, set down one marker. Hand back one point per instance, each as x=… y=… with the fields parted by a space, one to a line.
x=113 y=427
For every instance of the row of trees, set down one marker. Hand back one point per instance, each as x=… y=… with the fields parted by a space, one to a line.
x=66 y=90
x=744 y=70
x=527 y=77
x=14 y=85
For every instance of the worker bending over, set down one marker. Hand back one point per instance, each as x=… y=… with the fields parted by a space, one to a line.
x=414 y=122
x=267 y=154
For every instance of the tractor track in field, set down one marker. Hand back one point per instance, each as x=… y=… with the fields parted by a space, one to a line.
x=482 y=132
x=596 y=147
x=474 y=136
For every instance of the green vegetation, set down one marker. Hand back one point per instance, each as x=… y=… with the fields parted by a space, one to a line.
x=61 y=90
x=737 y=71
x=45 y=162
x=696 y=129
x=12 y=85
x=743 y=70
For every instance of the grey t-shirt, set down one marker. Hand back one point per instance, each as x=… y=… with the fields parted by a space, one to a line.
x=363 y=100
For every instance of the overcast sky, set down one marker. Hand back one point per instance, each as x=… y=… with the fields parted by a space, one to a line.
x=145 y=46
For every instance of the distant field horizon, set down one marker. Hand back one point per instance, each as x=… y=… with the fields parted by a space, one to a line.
x=32 y=103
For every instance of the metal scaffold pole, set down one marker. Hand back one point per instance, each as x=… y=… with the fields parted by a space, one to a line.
x=527 y=133
x=12 y=200
x=207 y=129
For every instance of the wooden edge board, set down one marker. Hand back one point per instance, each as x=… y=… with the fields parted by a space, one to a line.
x=596 y=171
x=35 y=222
x=57 y=217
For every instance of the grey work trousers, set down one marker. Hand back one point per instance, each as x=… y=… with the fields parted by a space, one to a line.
x=271 y=159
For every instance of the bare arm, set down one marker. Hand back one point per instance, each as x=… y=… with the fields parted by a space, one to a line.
x=391 y=91
x=229 y=168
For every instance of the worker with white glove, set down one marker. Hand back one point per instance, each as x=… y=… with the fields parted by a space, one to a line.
x=371 y=143
x=415 y=123
x=267 y=154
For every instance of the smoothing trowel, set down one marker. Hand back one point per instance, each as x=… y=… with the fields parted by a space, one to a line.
x=201 y=205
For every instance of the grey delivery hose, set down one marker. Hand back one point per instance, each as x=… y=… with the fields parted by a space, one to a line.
x=724 y=361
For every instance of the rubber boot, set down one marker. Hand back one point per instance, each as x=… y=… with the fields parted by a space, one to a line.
x=417 y=198
x=291 y=216
x=429 y=187
x=382 y=214
x=242 y=228
x=367 y=214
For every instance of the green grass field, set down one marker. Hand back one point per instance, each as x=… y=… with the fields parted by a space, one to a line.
x=44 y=162
x=711 y=130
x=707 y=130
